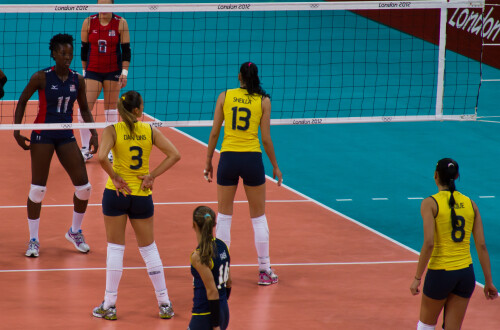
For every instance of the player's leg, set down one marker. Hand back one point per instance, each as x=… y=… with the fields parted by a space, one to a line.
x=429 y=312
x=111 y=93
x=93 y=89
x=227 y=184
x=41 y=156
x=141 y=218
x=458 y=299
x=71 y=159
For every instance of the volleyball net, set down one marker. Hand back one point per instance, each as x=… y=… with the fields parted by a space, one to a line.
x=325 y=62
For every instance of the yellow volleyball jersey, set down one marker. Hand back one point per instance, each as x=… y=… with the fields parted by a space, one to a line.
x=131 y=155
x=242 y=114
x=452 y=246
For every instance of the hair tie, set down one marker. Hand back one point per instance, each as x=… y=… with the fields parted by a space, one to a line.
x=207 y=216
x=123 y=98
x=249 y=63
x=451 y=164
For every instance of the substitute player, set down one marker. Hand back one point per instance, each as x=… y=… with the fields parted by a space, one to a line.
x=449 y=220
x=58 y=88
x=105 y=55
x=128 y=195
x=211 y=276
x=244 y=110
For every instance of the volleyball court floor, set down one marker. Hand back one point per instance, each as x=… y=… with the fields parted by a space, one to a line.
x=334 y=273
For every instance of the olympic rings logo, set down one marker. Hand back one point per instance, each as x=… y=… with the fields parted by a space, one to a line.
x=66 y=126
x=314 y=5
x=386 y=119
x=152 y=8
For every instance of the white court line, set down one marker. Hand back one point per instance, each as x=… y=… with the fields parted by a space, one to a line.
x=380 y=199
x=411 y=198
x=344 y=200
x=486 y=196
x=244 y=265
x=167 y=203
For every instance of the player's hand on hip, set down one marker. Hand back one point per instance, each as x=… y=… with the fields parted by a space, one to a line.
x=121 y=185
x=147 y=181
x=21 y=140
x=278 y=176
x=123 y=81
x=93 y=144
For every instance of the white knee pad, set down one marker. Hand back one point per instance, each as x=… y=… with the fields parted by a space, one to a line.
x=83 y=192
x=37 y=193
x=111 y=115
x=261 y=229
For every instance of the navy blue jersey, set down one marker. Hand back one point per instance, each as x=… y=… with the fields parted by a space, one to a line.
x=57 y=99
x=220 y=271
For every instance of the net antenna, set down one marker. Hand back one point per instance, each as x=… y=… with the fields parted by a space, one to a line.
x=325 y=62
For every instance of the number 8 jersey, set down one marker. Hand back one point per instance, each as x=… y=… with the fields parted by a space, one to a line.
x=242 y=115
x=220 y=271
x=131 y=155
x=452 y=244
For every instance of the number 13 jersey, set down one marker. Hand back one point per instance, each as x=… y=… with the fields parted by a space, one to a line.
x=242 y=115
x=131 y=155
x=452 y=245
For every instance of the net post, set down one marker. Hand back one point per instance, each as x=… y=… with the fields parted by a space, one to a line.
x=441 y=60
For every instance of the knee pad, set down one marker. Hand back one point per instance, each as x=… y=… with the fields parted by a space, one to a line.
x=261 y=229
x=83 y=192
x=37 y=193
x=111 y=115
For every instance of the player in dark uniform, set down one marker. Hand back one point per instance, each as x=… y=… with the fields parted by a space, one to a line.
x=3 y=80
x=211 y=277
x=105 y=58
x=58 y=88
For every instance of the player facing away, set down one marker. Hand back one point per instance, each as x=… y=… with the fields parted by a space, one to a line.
x=450 y=219
x=105 y=56
x=244 y=110
x=58 y=88
x=211 y=276
x=128 y=195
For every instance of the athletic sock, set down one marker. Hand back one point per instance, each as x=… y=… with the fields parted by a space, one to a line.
x=77 y=222
x=423 y=326
x=33 y=225
x=84 y=132
x=261 y=235
x=111 y=115
x=154 y=266
x=114 y=270
x=223 y=228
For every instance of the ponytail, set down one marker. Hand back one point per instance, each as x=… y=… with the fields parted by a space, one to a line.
x=250 y=76
x=204 y=217
x=126 y=104
x=447 y=169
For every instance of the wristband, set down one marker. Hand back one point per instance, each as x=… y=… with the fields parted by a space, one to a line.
x=125 y=72
x=418 y=279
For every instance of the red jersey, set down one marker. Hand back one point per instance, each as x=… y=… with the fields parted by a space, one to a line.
x=105 y=50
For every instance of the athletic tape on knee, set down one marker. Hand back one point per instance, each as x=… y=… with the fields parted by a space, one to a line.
x=151 y=257
x=37 y=193
x=261 y=229
x=83 y=192
x=111 y=115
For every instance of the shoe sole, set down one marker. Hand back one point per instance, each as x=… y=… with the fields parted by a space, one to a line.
x=104 y=317
x=32 y=255
x=74 y=244
x=166 y=317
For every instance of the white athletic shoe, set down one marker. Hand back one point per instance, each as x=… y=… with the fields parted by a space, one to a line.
x=78 y=240
x=33 y=248
x=86 y=154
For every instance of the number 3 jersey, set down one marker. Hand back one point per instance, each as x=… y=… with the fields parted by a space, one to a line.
x=220 y=271
x=242 y=115
x=56 y=101
x=452 y=244
x=131 y=155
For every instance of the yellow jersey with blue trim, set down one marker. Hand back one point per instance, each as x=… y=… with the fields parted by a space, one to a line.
x=452 y=244
x=242 y=114
x=131 y=155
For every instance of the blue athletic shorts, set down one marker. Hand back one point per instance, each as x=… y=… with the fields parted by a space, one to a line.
x=439 y=283
x=113 y=76
x=247 y=165
x=136 y=207
x=55 y=137
x=203 y=322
